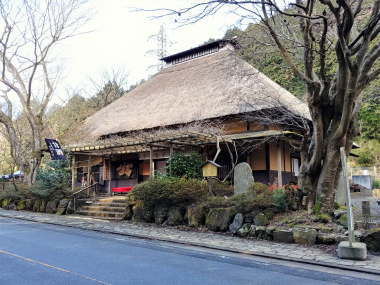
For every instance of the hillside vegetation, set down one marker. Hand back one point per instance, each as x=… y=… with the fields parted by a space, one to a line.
x=257 y=48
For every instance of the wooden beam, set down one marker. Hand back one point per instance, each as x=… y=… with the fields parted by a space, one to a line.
x=151 y=162
x=279 y=164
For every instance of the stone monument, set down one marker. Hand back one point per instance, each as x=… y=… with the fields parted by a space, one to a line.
x=243 y=178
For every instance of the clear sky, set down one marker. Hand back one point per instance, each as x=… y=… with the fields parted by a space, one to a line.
x=119 y=40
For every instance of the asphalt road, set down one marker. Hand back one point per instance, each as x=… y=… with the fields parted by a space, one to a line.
x=33 y=253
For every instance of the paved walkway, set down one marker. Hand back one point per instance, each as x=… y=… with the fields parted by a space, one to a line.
x=293 y=252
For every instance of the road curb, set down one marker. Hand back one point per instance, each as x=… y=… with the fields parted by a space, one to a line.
x=208 y=246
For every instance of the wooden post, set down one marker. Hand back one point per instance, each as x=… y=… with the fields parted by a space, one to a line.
x=109 y=166
x=366 y=213
x=350 y=218
x=88 y=174
x=171 y=151
x=73 y=173
x=279 y=165
x=151 y=162
x=210 y=183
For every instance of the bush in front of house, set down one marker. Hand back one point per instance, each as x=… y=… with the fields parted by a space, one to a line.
x=222 y=189
x=289 y=197
x=185 y=165
x=279 y=199
x=258 y=197
x=169 y=191
x=53 y=180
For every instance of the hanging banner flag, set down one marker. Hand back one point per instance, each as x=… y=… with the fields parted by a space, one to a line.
x=55 y=149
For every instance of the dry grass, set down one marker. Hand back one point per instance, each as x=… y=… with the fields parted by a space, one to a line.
x=299 y=218
x=208 y=87
x=213 y=128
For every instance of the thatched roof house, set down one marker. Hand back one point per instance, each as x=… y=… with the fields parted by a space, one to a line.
x=207 y=82
x=133 y=137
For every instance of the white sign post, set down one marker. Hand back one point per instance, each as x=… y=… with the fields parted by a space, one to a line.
x=350 y=249
x=350 y=218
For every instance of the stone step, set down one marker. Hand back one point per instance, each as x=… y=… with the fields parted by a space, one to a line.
x=106 y=208
x=101 y=214
x=103 y=208
x=112 y=199
x=107 y=204
x=104 y=218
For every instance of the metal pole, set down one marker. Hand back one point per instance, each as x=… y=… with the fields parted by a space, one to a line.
x=350 y=218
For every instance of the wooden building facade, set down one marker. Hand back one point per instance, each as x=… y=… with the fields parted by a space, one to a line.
x=133 y=137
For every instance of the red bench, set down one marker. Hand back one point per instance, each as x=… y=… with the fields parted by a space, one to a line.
x=121 y=189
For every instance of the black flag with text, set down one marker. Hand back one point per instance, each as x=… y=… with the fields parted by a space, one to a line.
x=55 y=149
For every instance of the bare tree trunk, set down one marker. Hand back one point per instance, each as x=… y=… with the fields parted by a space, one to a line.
x=30 y=30
x=35 y=162
x=327 y=180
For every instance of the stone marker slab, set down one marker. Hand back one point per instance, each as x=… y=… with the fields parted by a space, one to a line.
x=237 y=223
x=243 y=178
x=357 y=251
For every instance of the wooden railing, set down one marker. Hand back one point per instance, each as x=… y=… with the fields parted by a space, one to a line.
x=86 y=192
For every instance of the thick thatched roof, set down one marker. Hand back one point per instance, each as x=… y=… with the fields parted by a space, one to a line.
x=211 y=86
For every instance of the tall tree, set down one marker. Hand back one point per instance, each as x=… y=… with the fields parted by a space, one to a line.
x=106 y=87
x=5 y=158
x=324 y=32
x=30 y=33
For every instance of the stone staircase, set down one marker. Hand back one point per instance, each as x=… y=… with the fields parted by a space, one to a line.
x=107 y=208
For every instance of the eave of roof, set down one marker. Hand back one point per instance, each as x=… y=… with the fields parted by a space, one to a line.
x=206 y=46
x=259 y=134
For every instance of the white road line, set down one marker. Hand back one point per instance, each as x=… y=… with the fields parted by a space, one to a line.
x=52 y=267
x=14 y=223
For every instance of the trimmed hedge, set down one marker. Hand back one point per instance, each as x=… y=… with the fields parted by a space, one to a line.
x=185 y=165
x=258 y=197
x=169 y=191
x=53 y=181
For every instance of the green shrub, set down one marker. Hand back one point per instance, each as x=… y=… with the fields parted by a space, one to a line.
x=222 y=189
x=280 y=199
x=11 y=195
x=324 y=218
x=53 y=180
x=185 y=165
x=169 y=191
x=219 y=202
x=376 y=184
x=317 y=208
x=21 y=191
x=366 y=158
x=258 y=188
x=261 y=194
x=243 y=203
